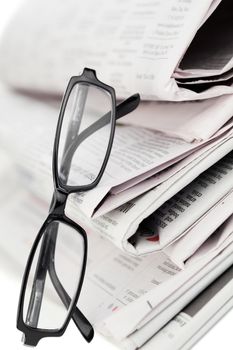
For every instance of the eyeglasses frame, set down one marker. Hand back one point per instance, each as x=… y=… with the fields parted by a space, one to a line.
x=57 y=209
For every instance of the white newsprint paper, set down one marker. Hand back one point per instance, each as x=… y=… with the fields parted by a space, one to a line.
x=165 y=50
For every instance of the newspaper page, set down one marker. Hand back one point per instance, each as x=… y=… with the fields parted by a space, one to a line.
x=134 y=46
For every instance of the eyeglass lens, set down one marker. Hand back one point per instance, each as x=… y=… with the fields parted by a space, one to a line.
x=85 y=134
x=57 y=266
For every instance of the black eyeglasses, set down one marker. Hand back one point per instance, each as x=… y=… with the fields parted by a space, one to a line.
x=56 y=265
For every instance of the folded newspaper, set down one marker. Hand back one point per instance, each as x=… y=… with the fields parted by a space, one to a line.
x=168 y=50
x=162 y=210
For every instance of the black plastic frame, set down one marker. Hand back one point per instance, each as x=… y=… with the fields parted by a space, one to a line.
x=33 y=335
x=57 y=213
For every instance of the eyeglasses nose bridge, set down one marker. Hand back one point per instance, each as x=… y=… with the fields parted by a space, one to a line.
x=58 y=202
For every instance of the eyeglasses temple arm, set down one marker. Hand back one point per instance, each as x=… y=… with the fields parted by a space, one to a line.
x=79 y=319
x=127 y=106
x=76 y=116
x=36 y=296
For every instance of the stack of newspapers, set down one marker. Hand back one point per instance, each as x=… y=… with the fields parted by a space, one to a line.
x=160 y=222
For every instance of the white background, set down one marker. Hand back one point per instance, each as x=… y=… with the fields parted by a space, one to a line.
x=221 y=336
